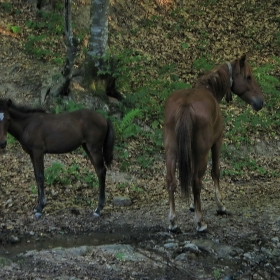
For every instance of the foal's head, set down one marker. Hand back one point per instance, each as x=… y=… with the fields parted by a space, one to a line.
x=244 y=84
x=4 y=121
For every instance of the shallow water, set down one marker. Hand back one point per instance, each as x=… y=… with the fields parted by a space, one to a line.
x=62 y=240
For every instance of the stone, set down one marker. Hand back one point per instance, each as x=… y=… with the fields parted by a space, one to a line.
x=192 y=248
x=181 y=257
x=171 y=246
x=121 y=201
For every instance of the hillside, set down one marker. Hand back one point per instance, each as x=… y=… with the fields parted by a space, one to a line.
x=160 y=45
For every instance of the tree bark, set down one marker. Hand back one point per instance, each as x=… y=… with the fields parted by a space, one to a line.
x=98 y=40
x=102 y=85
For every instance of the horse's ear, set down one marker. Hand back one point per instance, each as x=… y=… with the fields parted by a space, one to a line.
x=242 y=60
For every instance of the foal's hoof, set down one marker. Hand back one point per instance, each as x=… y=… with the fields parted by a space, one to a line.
x=222 y=211
x=38 y=215
x=174 y=229
x=192 y=209
x=97 y=213
x=201 y=227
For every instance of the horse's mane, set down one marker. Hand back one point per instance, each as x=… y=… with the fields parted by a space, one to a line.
x=246 y=70
x=217 y=81
x=26 y=109
x=3 y=104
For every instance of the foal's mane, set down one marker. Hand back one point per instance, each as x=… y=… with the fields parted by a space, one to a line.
x=26 y=109
x=217 y=81
x=19 y=111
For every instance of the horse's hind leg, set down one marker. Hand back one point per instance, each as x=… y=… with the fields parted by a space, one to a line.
x=38 y=165
x=96 y=158
x=171 y=187
x=215 y=172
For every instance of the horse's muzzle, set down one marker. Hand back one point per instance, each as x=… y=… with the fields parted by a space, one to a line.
x=3 y=145
x=257 y=104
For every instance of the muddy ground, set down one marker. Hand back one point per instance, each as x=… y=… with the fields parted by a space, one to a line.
x=242 y=245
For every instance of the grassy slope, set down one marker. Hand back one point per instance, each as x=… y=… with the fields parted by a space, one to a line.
x=161 y=48
x=171 y=45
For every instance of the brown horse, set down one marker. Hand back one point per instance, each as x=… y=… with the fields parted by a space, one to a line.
x=193 y=125
x=39 y=133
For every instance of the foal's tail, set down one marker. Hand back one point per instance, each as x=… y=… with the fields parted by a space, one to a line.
x=184 y=130
x=108 y=146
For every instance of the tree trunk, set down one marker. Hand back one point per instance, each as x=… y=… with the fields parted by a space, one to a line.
x=101 y=85
x=98 y=40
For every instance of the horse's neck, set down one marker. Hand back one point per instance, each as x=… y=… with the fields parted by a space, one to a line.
x=18 y=121
x=217 y=82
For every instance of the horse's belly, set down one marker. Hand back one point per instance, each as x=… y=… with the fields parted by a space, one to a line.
x=62 y=143
x=61 y=149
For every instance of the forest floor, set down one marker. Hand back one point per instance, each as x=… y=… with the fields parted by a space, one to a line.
x=242 y=245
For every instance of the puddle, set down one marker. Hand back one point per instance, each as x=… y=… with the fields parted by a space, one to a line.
x=64 y=241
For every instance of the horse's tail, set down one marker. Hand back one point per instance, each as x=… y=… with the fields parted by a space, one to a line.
x=108 y=146
x=184 y=130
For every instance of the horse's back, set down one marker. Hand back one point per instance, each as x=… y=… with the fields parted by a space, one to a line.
x=61 y=133
x=92 y=117
x=91 y=124
x=87 y=118
x=203 y=111
x=199 y=102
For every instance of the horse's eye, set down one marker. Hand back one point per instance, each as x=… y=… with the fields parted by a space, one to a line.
x=248 y=77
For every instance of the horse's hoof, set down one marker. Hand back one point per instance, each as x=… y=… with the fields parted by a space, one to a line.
x=192 y=209
x=174 y=229
x=202 y=227
x=97 y=213
x=38 y=215
x=222 y=211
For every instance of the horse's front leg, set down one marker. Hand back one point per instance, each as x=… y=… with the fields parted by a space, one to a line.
x=215 y=172
x=37 y=159
x=199 y=171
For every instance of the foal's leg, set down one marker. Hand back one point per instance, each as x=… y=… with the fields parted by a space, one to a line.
x=200 y=166
x=37 y=159
x=215 y=172
x=96 y=158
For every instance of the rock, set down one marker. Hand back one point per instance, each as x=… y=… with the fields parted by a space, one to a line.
x=266 y=251
x=276 y=252
x=121 y=201
x=14 y=239
x=275 y=239
x=181 y=257
x=248 y=256
x=171 y=246
x=123 y=252
x=221 y=250
x=192 y=248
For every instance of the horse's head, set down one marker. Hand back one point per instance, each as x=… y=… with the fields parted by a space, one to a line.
x=4 y=121
x=244 y=84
